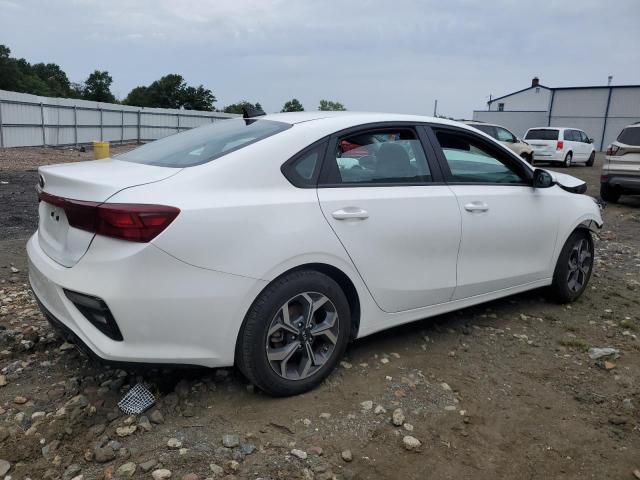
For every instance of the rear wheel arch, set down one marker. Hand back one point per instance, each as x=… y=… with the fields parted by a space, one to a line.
x=346 y=284
x=337 y=275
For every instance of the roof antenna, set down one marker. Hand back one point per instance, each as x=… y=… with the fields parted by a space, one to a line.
x=250 y=112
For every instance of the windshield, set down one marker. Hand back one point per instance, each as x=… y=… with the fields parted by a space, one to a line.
x=542 y=134
x=203 y=144
x=630 y=136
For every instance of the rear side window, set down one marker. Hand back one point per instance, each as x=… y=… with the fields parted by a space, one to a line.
x=488 y=129
x=504 y=135
x=542 y=134
x=381 y=156
x=302 y=170
x=203 y=144
x=571 y=136
x=630 y=136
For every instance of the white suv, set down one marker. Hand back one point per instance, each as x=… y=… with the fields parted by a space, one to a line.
x=564 y=145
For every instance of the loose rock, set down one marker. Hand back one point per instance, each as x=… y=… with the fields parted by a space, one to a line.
x=174 y=443
x=346 y=455
x=104 y=454
x=301 y=454
x=4 y=467
x=398 y=417
x=230 y=440
x=161 y=474
x=411 y=443
x=126 y=470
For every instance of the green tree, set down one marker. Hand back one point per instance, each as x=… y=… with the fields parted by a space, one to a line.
x=237 y=107
x=171 y=91
x=18 y=75
x=328 y=105
x=293 y=105
x=54 y=78
x=97 y=87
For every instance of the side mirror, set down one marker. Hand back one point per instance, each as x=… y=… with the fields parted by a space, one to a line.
x=591 y=140
x=542 y=179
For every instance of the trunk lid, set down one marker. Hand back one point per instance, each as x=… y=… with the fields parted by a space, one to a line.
x=93 y=181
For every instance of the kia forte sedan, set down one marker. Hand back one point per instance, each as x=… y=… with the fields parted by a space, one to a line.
x=271 y=242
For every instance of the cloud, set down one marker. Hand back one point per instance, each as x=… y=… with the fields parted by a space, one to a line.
x=368 y=54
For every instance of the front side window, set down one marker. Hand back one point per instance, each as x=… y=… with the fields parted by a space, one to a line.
x=471 y=160
x=385 y=156
x=583 y=137
x=542 y=134
x=504 y=135
x=203 y=144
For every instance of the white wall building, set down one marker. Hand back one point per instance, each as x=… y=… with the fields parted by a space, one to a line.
x=601 y=111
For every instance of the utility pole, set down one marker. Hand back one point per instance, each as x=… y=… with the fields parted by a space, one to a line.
x=435 y=108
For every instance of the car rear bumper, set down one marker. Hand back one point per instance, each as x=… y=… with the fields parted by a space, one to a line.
x=627 y=183
x=548 y=157
x=169 y=312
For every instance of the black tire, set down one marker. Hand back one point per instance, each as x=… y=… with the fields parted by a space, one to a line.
x=592 y=159
x=527 y=158
x=252 y=347
x=569 y=282
x=609 y=194
x=567 y=160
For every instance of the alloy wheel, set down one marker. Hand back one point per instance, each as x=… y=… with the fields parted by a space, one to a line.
x=302 y=336
x=580 y=262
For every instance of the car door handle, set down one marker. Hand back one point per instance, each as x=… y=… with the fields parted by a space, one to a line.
x=350 y=213
x=476 y=207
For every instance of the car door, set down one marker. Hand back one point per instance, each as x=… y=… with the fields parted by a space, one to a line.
x=508 y=228
x=575 y=145
x=586 y=145
x=382 y=193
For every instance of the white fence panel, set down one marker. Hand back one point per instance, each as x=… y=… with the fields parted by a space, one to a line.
x=29 y=120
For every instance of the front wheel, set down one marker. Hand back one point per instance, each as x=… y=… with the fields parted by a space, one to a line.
x=592 y=159
x=567 y=160
x=574 y=267
x=294 y=334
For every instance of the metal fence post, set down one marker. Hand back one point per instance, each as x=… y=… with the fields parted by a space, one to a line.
x=44 y=140
x=138 y=126
x=178 y=115
x=101 y=135
x=1 y=131
x=75 y=125
x=121 y=126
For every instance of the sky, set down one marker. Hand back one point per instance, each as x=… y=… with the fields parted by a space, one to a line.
x=371 y=55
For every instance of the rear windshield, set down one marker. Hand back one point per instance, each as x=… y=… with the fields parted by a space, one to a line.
x=203 y=144
x=630 y=136
x=542 y=134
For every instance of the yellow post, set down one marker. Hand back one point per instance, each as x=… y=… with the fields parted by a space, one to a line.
x=100 y=150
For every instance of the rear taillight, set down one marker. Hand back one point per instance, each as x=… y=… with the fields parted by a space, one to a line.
x=559 y=145
x=604 y=178
x=612 y=149
x=126 y=221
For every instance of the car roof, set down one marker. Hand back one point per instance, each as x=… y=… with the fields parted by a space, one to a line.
x=354 y=118
x=556 y=128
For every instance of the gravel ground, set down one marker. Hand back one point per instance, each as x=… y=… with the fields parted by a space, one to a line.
x=502 y=390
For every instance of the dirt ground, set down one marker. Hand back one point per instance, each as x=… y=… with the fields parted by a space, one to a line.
x=502 y=390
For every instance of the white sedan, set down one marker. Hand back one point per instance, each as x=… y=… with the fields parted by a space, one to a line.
x=271 y=242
